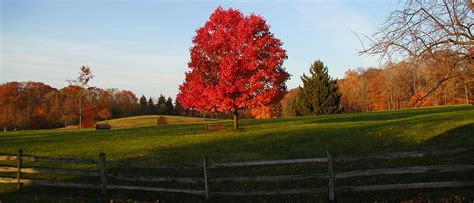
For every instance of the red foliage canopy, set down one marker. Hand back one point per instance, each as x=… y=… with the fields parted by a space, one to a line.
x=236 y=63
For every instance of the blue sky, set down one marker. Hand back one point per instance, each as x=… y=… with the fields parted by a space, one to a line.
x=143 y=45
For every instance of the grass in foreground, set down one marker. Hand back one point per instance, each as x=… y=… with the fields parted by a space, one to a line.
x=283 y=138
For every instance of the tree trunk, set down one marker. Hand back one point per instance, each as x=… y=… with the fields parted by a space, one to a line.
x=466 y=92
x=27 y=115
x=236 y=119
x=80 y=113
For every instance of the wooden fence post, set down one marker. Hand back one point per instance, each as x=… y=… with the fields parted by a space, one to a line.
x=330 y=177
x=103 y=179
x=206 y=178
x=19 y=163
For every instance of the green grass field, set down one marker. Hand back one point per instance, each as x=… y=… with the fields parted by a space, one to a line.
x=138 y=139
x=151 y=120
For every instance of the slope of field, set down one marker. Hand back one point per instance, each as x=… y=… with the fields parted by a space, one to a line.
x=151 y=120
x=283 y=138
x=258 y=139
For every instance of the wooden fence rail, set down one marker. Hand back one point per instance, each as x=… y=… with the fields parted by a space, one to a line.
x=276 y=178
x=48 y=159
x=206 y=181
x=154 y=179
x=271 y=192
x=402 y=155
x=406 y=186
x=50 y=171
x=405 y=170
x=264 y=163
x=160 y=166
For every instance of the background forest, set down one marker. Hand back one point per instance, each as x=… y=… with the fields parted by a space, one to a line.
x=34 y=105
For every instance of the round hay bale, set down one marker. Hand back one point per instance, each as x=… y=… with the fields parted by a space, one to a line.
x=162 y=120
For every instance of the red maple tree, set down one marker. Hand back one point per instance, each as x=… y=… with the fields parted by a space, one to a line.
x=236 y=63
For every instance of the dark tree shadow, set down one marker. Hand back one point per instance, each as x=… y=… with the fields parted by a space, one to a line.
x=362 y=117
x=460 y=136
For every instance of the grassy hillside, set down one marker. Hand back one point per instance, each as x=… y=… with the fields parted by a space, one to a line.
x=283 y=138
x=150 y=120
x=258 y=139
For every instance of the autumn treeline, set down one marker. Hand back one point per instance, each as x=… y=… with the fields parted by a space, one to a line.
x=429 y=82
x=438 y=79
x=35 y=105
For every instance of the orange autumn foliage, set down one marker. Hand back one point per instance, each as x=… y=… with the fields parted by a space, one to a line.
x=35 y=105
x=263 y=112
x=376 y=95
x=104 y=114
x=89 y=117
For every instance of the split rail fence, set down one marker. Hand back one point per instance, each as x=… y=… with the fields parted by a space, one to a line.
x=103 y=176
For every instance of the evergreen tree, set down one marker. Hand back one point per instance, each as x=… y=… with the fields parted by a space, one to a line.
x=319 y=94
x=151 y=106
x=161 y=105
x=169 y=106
x=143 y=108
x=178 y=109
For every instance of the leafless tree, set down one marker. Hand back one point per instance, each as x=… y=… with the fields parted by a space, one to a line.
x=85 y=76
x=421 y=29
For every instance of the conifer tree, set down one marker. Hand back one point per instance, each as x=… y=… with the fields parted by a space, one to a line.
x=178 y=109
x=319 y=94
x=143 y=109
x=161 y=105
x=169 y=106
x=151 y=106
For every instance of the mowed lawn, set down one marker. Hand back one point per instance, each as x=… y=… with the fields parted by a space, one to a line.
x=151 y=120
x=281 y=138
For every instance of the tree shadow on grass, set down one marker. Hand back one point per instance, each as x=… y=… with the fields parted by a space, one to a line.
x=460 y=136
x=362 y=117
x=308 y=141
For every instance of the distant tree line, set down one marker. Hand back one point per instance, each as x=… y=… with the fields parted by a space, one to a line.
x=431 y=82
x=162 y=106
x=34 y=105
x=433 y=43
x=407 y=84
